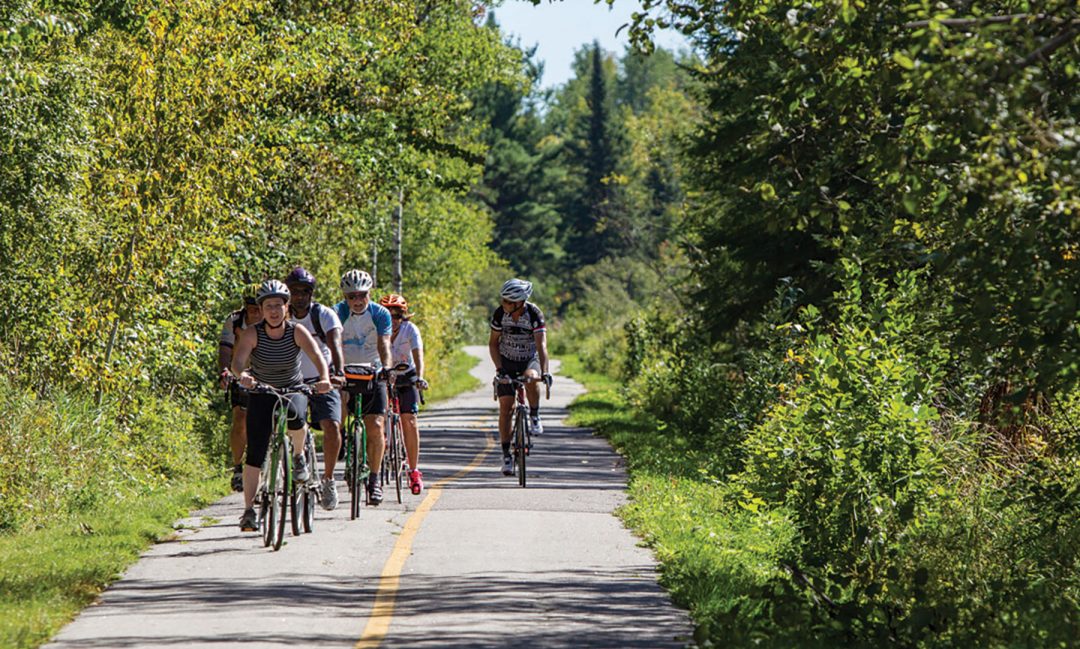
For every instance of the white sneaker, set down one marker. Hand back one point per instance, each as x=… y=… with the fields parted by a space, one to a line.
x=329 y=498
x=536 y=427
x=508 y=465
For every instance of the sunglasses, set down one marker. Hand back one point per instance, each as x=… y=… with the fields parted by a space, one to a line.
x=396 y=314
x=356 y=296
x=306 y=290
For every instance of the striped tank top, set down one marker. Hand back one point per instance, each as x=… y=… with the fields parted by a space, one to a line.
x=276 y=362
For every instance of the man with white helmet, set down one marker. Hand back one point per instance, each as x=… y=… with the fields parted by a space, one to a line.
x=365 y=340
x=518 y=347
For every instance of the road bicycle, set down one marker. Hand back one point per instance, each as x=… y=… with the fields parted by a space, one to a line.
x=395 y=461
x=520 y=437
x=357 y=471
x=275 y=493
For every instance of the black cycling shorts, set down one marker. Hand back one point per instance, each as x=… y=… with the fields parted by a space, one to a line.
x=238 y=397
x=515 y=368
x=260 y=422
x=372 y=395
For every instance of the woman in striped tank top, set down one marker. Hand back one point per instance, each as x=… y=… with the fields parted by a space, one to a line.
x=273 y=347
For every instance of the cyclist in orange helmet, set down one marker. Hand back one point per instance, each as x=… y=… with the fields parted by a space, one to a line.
x=406 y=346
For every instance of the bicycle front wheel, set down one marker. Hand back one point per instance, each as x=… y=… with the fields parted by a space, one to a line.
x=282 y=493
x=352 y=467
x=519 y=446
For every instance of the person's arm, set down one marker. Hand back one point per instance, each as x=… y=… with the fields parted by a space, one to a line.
x=337 y=357
x=384 y=351
x=242 y=355
x=418 y=361
x=493 y=349
x=541 y=350
x=306 y=342
x=224 y=360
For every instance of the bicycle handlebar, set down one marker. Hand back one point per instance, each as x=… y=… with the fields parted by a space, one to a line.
x=264 y=388
x=519 y=380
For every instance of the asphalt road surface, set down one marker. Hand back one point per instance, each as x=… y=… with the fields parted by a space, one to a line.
x=474 y=561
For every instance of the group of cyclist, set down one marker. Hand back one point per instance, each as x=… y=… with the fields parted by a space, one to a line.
x=283 y=338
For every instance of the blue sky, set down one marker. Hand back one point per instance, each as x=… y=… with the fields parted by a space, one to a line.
x=562 y=27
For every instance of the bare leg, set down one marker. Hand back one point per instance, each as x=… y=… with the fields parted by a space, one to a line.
x=331 y=445
x=238 y=434
x=411 y=432
x=376 y=430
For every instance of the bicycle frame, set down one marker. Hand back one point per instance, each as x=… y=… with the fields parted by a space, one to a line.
x=274 y=491
x=355 y=444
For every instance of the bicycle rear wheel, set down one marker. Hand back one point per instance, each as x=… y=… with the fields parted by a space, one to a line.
x=519 y=446
x=397 y=452
x=266 y=518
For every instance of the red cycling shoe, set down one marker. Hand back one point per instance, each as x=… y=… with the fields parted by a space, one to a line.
x=416 y=481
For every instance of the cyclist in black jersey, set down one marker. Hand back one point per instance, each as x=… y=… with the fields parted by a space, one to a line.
x=518 y=347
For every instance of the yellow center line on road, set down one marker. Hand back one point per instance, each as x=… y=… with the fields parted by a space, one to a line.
x=382 y=613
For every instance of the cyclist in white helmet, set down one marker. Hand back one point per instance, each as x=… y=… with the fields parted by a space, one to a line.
x=365 y=340
x=518 y=347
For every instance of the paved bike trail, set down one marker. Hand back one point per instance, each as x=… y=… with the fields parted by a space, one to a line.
x=474 y=561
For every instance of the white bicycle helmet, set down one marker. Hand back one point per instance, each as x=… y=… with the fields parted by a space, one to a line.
x=356 y=281
x=516 y=290
x=272 y=288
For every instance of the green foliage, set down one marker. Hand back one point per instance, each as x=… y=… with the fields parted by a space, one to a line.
x=64 y=454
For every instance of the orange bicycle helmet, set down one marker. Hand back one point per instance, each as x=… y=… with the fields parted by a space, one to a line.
x=393 y=300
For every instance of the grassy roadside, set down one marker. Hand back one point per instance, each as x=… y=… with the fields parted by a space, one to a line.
x=48 y=575
x=715 y=559
x=458 y=379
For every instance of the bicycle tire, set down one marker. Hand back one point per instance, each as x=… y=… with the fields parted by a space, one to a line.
x=519 y=445
x=353 y=467
x=396 y=442
x=282 y=494
x=266 y=518
x=309 y=510
x=295 y=497
x=308 y=503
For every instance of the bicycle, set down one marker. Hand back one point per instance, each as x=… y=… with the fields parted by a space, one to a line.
x=275 y=492
x=355 y=437
x=395 y=460
x=520 y=437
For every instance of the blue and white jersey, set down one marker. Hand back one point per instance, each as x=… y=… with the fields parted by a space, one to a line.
x=360 y=332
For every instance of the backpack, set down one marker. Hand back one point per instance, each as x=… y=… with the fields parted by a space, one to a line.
x=315 y=311
x=237 y=320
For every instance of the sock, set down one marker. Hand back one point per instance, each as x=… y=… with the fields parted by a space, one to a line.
x=534 y=412
x=373 y=478
x=506 y=449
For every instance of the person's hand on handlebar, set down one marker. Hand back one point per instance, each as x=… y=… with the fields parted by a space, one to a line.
x=323 y=386
x=547 y=379
x=421 y=384
x=247 y=380
x=338 y=379
x=225 y=378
